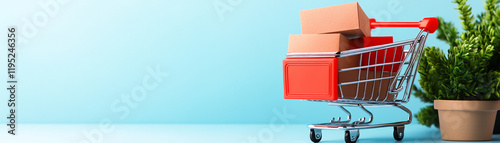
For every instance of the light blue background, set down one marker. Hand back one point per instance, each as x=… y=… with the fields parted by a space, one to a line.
x=219 y=71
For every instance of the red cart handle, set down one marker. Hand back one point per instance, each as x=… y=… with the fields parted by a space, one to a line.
x=429 y=24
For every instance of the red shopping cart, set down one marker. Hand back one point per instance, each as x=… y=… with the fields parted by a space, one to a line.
x=372 y=84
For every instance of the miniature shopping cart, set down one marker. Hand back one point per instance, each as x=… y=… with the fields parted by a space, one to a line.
x=373 y=82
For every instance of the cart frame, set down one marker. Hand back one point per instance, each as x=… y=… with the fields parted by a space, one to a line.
x=402 y=81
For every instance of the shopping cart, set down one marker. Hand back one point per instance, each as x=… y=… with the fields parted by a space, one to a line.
x=394 y=82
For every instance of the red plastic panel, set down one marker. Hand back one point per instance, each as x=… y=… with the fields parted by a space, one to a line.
x=382 y=56
x=310 y=78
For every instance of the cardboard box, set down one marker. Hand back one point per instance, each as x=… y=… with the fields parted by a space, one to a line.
x=314 y=43
x=317 y=43
x=394 y=54
x=348 y=19
x=318 y=78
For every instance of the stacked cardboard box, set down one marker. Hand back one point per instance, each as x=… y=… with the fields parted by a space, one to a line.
x=335 y=29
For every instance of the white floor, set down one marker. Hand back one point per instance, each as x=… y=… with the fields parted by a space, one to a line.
x=237 y=133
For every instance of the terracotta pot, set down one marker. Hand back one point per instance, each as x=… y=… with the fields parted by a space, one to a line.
x=497 y=124
x=466 y=120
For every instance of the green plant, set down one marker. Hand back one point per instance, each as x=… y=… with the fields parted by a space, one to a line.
x=471 y=70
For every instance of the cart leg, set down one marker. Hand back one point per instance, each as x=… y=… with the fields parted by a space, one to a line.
x=399 y=132
x=315 y=135
x=338 y=119
x=369 y=113
x=351 y=136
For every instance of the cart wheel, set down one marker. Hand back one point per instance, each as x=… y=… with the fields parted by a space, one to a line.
x=315 y=135
x=351 y=136
x=399 y=132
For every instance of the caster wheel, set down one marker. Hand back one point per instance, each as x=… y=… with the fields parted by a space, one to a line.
x=399 y=132
x=315 y=135
x=351 y=136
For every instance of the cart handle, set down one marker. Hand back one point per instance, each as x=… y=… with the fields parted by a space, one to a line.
x=429 y=24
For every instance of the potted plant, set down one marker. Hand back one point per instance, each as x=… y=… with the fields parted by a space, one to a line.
x=464 y=85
